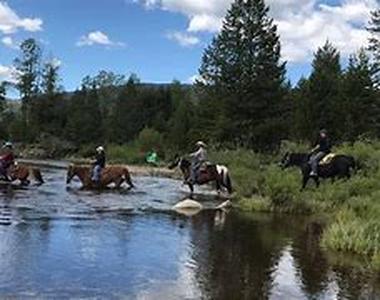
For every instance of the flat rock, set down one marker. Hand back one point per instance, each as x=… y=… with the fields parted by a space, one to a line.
x=188 y=204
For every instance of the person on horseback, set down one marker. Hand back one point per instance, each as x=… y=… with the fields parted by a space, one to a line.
x=322 y=148
x=198 y=158
x=99 y=164
x=6 y=160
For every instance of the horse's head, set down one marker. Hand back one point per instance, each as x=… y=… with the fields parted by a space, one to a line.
x=175 y=162
x=71 y=172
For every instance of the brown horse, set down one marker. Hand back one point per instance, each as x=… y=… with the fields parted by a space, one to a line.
x=23 y=173
x=212 y=173
x=112 y=174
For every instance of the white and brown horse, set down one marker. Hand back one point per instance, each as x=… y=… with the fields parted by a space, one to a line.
x=116 y=175
x=211 y=173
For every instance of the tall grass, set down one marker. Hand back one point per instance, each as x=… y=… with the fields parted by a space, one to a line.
x=353 y=205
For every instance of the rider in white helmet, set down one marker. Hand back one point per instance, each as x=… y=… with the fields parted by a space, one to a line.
x=198 y=158
x=99 y=164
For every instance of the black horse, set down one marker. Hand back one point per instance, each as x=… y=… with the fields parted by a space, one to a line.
x=340 y=166
x=212 y=173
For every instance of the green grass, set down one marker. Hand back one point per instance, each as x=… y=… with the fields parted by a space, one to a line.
x=351 y=206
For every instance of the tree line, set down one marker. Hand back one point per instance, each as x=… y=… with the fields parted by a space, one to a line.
x=242 y=97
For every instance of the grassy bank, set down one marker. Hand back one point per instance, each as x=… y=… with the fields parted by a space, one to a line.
x=351 y=207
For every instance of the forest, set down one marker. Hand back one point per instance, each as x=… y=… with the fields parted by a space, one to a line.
x=242 y=97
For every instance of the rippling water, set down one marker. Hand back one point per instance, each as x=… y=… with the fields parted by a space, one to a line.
x=59 y=242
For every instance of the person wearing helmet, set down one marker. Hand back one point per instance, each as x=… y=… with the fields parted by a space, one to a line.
x=322 y=148
x=198 y=158
x=99 y=164
x=6 y=160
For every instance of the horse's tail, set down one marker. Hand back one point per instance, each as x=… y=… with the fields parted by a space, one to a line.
x=128 y=179
x=226 y=179
x=38 y=175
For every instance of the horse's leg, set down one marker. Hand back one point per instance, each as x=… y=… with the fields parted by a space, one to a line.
x=305 y=181
x=118 y=183
x=316 y=180
x=25 y=181
x=191 y=187
x=128 y=179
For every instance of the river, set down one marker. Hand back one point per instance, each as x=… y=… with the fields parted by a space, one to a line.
x=61 y=242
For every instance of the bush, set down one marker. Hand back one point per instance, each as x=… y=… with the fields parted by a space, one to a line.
x=150 y=139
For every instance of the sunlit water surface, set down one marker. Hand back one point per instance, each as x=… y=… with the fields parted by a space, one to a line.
x=60 y=242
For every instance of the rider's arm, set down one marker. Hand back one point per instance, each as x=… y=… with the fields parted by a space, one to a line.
x=195 y=154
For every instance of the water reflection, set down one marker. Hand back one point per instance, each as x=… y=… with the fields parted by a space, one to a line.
x=56 y=243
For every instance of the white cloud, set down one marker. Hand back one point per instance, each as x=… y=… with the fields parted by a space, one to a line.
x=184 y=39
x=55 y=62
x=9 y=42
x=303 y=25
x=7 y=74
x=10 y=22
x=97 y=38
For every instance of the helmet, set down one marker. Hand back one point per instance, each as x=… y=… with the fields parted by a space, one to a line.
x=323 y=131
x=100 y=149
x=200 y=144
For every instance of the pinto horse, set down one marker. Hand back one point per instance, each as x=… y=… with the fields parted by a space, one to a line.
x=339 y=167
x=112 y=174
x=212 y=173
x=23 y=173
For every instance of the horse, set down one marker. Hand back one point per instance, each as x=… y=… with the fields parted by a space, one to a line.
x=339 y=166
x=23 y=173
x=112 y=174
x=212 y=173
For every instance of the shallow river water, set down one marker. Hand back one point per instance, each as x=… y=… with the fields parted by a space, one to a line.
x=61 y=242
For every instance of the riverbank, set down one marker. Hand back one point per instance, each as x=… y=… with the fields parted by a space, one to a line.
x=349 y=209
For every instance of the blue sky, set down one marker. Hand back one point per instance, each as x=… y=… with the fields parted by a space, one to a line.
x=162 y=40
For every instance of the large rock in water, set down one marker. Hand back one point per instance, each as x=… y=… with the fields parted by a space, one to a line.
x=188 y=207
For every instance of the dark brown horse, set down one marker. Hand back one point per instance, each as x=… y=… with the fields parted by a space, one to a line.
x=24 y=173
x=112 y=174
x=212 y=173
x=339 y=166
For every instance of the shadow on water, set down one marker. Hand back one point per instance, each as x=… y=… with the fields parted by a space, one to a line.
x=62 y=242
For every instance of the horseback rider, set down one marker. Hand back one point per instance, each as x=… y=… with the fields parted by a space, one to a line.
x=99 y=164
x=198 y=158
x=6 y=160
x=322 y=148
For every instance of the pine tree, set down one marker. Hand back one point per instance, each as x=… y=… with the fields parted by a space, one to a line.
x=28 y=75
x=374 y=44
x=50 y=78
x=324 y=90
x=360 y=99
x=2 y=96
x=242 y=68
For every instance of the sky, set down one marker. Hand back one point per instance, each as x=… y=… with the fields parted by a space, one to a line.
x=162 y=40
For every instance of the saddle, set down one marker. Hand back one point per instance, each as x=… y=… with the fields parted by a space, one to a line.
x=327 y=159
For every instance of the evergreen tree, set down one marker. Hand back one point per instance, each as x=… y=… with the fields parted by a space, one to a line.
x=243 y=70
x=374 y=44
x=50 y=78
x=361 y=101
x=324 y=91
x=2 y=96
x=84 y=124
x=28 y=75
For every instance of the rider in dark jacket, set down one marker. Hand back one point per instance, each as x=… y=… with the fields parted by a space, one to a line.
x=322 y=148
